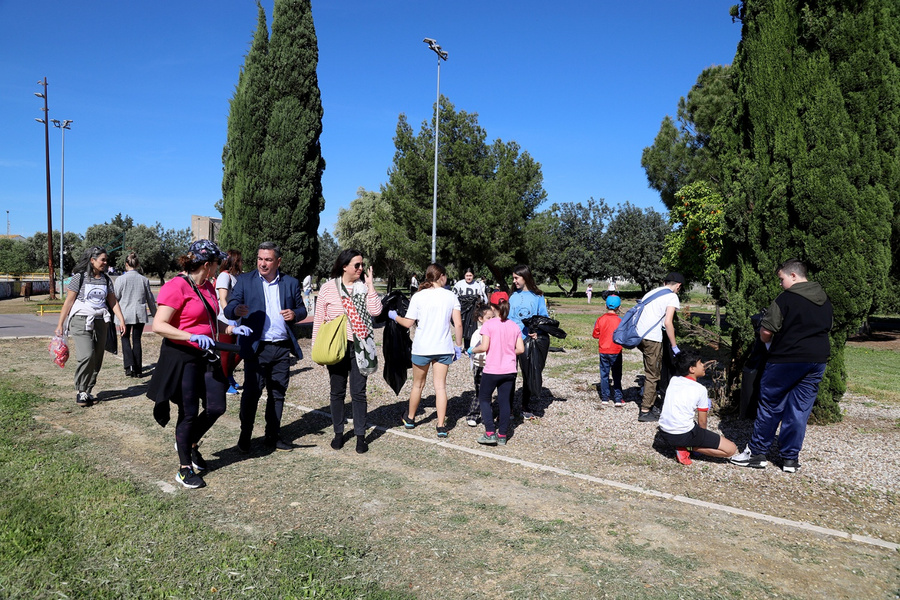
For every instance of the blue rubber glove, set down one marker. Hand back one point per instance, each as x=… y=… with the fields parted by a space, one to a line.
x=457 y=352
x=241 y=330
x=204 y=341
x=471 y=350
x=675 y=350
x=392 y=315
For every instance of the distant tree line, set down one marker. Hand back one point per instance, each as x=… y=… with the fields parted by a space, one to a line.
x=157 y=248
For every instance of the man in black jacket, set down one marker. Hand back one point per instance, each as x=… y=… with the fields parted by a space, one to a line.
x=795 y=331
x=269 y=302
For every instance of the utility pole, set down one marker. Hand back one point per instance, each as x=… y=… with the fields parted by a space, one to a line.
x=46 y=122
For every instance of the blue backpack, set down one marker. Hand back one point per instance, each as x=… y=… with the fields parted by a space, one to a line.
x=626 y=334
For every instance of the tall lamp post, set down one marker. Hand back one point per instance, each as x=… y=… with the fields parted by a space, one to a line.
x=46 y=122
x=442 y=55
x=62 y=126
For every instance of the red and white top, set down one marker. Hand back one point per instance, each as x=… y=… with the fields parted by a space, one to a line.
x=329 y=306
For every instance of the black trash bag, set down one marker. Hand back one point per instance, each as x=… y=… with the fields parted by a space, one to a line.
x=535 y=356
x=540 y=324
x=752 y=372
x=467 y=306
x=533 y=360
x=397 y=345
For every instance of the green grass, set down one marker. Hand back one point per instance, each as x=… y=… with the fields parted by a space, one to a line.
x=873 y=373
x=69 y=531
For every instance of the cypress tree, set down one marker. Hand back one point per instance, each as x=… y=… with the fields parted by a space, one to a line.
x=242 y=184
x=806 y=172
x=292 y=162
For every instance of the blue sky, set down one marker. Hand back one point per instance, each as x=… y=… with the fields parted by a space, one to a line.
x=582 y=86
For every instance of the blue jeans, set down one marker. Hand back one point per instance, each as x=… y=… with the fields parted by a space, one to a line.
x=787 y=392
x=611 y=363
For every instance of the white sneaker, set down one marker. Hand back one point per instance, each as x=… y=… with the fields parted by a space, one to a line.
x=742 y=459
x=471 y=422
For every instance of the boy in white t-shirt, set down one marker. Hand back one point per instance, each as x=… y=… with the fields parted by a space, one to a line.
x=684 y=398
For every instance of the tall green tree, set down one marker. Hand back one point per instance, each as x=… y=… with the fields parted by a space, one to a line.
x=486 y=194
x=273 y=165
x=328 y=253
x=683 y=151
x=565 y=243
x=111 y=235
x=356 y=229
x=633 y=245
x=694 y=246
x=292 y=163
x=243 y=185
x=808 y=160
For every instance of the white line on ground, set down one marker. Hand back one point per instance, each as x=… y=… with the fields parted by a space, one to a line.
x=863 y=539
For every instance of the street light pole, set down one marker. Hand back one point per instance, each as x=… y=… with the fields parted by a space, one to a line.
x=442 y=55
x=62 y=126
x=46 y=122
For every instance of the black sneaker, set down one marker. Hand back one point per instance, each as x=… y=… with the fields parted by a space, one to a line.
x=189 y=479
x=338 y=441
x=746 y=459
x=442 y=432
x=790 y=466
x=243 y=444
x=82 y=399
x=362 y=446
x=407 y=422
x=197 y=460
x=648 y=417
x=278 y=444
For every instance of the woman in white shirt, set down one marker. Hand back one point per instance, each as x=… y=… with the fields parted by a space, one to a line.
x=231 y=267
x=431 y=310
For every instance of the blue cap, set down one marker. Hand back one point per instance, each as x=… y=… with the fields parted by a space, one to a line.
x=613 y=302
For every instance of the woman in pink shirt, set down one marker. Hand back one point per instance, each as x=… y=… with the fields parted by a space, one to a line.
x=501 y=340
x=188 y=373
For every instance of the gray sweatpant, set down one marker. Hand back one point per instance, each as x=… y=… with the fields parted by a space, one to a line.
x=89 y=348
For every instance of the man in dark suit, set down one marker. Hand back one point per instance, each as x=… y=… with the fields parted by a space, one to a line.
x=269 y=302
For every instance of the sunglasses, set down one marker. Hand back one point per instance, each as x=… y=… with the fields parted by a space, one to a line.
x=358 y=266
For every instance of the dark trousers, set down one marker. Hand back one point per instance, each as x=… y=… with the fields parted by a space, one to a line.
x=611 y=364
x=132 y=354
x=268 y=369
x=338 y=376
x=475 y=406
x=526 y=394
x=787 y=392
x=505 y=385
x=200 y=385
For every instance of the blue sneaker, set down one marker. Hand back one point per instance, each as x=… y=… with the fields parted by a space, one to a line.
x=232 y=390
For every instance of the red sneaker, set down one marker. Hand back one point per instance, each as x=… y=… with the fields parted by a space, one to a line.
x=683 y=455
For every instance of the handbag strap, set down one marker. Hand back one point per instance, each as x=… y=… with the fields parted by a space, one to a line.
x=210 y=313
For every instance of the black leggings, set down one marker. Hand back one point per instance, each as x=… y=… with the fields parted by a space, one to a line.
x=505 y=386
x=204 y=384
x=132 y=354
x=339 y=375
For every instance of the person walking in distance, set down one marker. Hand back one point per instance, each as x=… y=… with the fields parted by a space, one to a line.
x=136 y=299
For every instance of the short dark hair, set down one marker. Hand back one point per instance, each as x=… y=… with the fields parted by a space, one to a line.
x=687 y=358
x=270 y=246
x=795 y=266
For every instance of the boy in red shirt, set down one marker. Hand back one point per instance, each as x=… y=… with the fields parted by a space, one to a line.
x=610 y=352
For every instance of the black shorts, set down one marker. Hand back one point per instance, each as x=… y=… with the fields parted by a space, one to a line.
x=695 y=438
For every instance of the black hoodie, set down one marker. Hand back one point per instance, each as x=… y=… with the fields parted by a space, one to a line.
x=800 y=317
